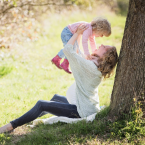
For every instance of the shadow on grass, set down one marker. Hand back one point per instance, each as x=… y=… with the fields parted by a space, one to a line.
x=59 y=133
x=94 y=133
x=5 y=69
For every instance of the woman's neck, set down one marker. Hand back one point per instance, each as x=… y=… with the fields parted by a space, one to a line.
x=95 y=60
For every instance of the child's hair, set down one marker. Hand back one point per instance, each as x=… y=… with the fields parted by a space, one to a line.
x=102 y=25
x=108 y=62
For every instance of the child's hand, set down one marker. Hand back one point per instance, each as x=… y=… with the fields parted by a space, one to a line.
x=81 y=28
x=88 y=57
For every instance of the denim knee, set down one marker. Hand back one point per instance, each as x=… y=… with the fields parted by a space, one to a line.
x=59 y=98
x=56 y=95
x=53 y=97
x=39 y=104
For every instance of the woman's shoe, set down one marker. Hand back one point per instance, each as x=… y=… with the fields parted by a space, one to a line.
x=65 y=66
x=56 y=61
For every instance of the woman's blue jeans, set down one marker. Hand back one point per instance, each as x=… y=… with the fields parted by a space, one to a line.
x=58 y=106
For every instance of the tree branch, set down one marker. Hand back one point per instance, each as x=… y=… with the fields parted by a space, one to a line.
x=7 y=9
x=32 y=4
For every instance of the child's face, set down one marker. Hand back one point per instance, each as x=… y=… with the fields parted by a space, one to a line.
x=98 y=34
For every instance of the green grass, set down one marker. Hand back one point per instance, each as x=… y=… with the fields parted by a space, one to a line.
x=27 y=75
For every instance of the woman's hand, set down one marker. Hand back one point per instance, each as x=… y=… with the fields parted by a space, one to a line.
x=88 y=57
x=81 y=28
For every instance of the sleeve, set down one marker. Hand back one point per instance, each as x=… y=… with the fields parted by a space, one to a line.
x=85 y=37
x=92 y=43
x=78 y=64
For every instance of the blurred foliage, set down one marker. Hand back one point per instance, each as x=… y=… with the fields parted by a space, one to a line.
x=122 y=6
x=4 y=70
x=85 y=3
x=20 y=19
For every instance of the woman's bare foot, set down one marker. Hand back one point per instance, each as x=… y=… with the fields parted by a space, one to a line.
x=6 y=128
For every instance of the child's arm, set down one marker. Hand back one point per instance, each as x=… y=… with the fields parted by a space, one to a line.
x=92 y=43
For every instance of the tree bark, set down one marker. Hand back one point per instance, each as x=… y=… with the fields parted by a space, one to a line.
x=130 y=73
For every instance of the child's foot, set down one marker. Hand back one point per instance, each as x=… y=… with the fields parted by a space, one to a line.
x=65 y=66
x=56 y=61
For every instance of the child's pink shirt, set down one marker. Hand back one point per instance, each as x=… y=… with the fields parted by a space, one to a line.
x=87 y=35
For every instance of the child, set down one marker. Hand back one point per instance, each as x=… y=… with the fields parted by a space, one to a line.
x=99 y=27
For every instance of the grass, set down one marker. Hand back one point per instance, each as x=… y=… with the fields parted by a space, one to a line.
x=4 y=70
x=27 y=75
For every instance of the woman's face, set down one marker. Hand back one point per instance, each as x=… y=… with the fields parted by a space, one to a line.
x=102 y=49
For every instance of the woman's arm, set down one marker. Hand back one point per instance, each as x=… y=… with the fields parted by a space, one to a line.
x=78 y=64
x=79 y=31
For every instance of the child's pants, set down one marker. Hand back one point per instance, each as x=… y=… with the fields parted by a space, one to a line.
x=65 y=37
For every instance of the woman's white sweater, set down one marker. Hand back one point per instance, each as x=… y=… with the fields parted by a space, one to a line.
x=71 y=94
x=87 y=78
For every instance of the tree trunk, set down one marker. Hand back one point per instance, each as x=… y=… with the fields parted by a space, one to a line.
x=130 y=73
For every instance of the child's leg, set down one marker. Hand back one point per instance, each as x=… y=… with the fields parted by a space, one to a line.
x=56 y=61
x=65 y=64
x=65 y=36
x=61 y=54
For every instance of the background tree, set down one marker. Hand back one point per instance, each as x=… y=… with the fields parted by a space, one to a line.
x=129 y=82
x=20 y=19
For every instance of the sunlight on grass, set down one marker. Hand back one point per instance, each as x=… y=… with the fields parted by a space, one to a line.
x=31 y=76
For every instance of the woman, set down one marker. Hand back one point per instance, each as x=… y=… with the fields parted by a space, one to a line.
x=82 y=97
